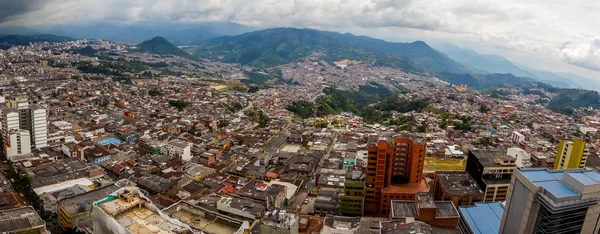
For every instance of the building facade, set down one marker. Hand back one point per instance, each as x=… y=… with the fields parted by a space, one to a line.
x=352 y=202
x=492 y=170
x=571 y=154
x=394 y=170
x=21 y=115
x=17 y=143
x=458 y=187
x=552 y=201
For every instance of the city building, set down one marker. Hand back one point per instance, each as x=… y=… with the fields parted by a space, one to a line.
x=17 y=143
x=22 y=220
x=31 y=117
x=352 y=202
x=394 y=171
x=522 y=157
x=340 y=225
x=491 y=169
x=456 y=186
x=179 y=149
x=552 y=201
x=571 y=154
x=279 y=222
x=128 y=211
x=480 y=218
x=202 y=219
x=76 y=209
x=423 y=208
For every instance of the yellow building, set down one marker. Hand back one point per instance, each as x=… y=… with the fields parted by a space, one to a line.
x=571 y=154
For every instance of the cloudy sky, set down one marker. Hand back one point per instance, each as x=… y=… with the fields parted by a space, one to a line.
x=556 y=35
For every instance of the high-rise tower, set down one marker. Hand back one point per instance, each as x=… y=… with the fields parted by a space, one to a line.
x=394 y=171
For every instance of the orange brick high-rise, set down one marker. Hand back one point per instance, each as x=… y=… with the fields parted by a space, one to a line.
x=394 y=172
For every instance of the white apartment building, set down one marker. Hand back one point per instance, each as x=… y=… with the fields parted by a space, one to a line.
x=17 y=143
x=180 y=149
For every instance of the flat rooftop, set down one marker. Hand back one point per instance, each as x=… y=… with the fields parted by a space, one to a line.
x=133 y=213
x=404 y=209
x=487 y=157
x=21 y=220
x=554 y=180
x=199 y=219
x=459 y=183
x=483 y=217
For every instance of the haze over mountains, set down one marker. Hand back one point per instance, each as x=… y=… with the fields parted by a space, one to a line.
x=283 y=45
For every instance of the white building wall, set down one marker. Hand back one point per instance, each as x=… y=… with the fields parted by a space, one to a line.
x=39 y=127
x=19 y=143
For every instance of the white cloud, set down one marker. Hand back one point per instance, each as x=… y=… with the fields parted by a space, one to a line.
x=524 y=26
x=584 y=55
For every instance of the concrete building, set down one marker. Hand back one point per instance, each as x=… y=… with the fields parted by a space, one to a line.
x=128 y=211
x=179 y=149
x=552 y=201
x=17 y=143
x=458 y=187
x=22 y=220
x=491 y=169
x=279 y=222
x=32 y=118
x=571 y=154
x=340 y=225
x=206 y=220
x=394 y=170
x=517 y=137
x=425 y=209
x=352 y=202
x=522 y=157
x=481 y=218
x=78 y=208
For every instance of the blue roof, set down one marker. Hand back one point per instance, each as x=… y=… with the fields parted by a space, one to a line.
x=557 y=188
x=586 y=177
x=483 y=217
x=109 y=141
x=553 y=180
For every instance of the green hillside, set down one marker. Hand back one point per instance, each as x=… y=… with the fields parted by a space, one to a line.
x=280 y=46
x=161 y=46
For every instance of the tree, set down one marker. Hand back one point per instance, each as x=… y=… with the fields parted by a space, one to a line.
x=321 y=124
x=483 y=109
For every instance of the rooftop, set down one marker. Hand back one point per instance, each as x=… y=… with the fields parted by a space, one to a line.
x=561 y=183
x=459 y=183
x=137 y=214
x=483 y=217
x=487 y=157
x=83 y=202
x=403 y=209
x=21 y=220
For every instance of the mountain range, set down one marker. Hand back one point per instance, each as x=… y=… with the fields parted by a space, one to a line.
x=497 y=64
x=232 y=42
x=177 y=33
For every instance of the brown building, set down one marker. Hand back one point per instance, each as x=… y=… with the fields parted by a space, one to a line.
x=423 y=208
x=394 y=172
x=456 y=186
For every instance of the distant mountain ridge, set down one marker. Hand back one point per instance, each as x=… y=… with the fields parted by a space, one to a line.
x=6 y=41
x=273 y=47
x=279 y=46
x=418 y=51
x=178 y=33
x=160 y=45
x=486 y=62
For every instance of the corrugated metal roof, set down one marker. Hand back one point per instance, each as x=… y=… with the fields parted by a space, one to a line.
x=483 y=217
